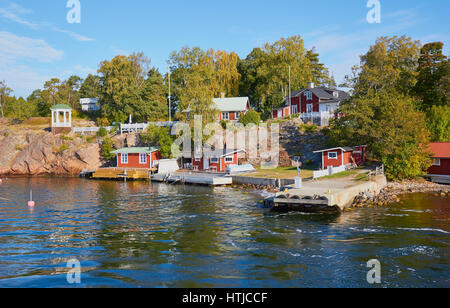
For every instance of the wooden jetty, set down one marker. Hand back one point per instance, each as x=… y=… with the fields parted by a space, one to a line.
x=123 y=174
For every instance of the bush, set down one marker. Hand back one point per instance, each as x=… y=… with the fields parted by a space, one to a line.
x=250 y=117
x=308 y=128
x=107 y=148
x=102 y=132
x=62 y=148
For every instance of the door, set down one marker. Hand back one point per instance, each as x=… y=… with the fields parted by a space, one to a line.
x=309 y=108
x=205 y=163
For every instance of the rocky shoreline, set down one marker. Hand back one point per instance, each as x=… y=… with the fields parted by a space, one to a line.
x=393 y=192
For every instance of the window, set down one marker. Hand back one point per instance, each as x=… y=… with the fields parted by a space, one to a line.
x=294 y=109
x=142 y=159
x=225 y=116
x=332 y=155
x=237 y=115
x=229 y=159
x=436 y=162
x=197 y=160
x=309 y=96
x=124 y=158
x=214 y=160
x=309 y=108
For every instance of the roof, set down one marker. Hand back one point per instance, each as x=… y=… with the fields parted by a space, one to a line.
x=145 y=150
x=440 y=149
x=326 y=94
x=61 y=107
x=231 y=104
x=345 y=149
x=222 y=152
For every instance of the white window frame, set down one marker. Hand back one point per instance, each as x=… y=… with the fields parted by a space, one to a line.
x=237 y=116
x=225 y=116
x=214 y=160
x=124 y=158
x=309 y=96
x=329 y=157
x=436 y=162
x=227 y=159
x=141 y=161
x=309 y=108
x=294 y=109
x=198 y=160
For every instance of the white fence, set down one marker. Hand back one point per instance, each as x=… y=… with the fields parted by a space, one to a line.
x=318 y=118
x=89 y=130
x=329 y=171
x=140 y=127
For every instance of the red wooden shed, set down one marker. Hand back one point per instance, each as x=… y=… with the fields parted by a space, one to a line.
x=441 y=159
x=343 y=156
x=139 y=158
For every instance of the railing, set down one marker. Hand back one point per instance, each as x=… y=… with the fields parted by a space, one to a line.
x=329 y=171
x=140 y=127
x=319 y=118
x=89 y=130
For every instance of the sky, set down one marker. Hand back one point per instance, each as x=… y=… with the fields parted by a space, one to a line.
x=38 y=43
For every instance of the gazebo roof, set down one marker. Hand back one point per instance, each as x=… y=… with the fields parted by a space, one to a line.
x=61 y=107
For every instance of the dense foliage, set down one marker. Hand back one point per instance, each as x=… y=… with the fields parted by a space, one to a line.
x=398 y=103
x=250 y=117
x=160 y=138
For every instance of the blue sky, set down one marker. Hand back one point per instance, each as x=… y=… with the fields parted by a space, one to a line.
x=37 y=43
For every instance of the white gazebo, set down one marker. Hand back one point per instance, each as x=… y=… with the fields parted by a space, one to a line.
x=61 y=118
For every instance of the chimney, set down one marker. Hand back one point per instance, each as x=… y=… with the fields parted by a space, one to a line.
x=310 y=85
x=222 y=95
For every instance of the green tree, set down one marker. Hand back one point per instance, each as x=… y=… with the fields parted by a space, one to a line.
x=159 y=137
x=439 y=123
x=391 y=127
x=155 y=95
x=430 y=72
x=90 y=88
x=389 y=65
x=4 y=94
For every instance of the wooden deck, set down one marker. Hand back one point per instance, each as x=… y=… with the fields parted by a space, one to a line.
x=123 y=173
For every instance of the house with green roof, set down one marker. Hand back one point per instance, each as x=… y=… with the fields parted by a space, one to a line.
x=137 y=157
x=230 y=108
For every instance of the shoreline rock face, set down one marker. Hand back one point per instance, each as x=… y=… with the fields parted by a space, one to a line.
x=42 y=153
x=394 y=190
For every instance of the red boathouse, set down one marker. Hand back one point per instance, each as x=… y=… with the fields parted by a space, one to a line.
x=138 y=158
x=216 y=161
x=440 y=170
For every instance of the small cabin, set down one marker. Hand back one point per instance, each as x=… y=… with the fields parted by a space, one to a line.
x=216 y=161
x=343 y=156
x=440 y=170
x=137 y=158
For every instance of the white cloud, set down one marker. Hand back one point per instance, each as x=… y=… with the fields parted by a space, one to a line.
x=4 y=13
x=12 y=12
x=22 y=79
x=15 y=47
x=74 y=35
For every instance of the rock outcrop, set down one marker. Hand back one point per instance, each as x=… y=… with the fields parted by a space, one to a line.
x=40 y=153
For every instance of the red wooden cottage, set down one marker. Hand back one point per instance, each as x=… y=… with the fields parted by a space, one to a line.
x=440 y=170
x=137 y=158
x=343 y=156
x=216 y=161
x=230 y=108
x=312 y=100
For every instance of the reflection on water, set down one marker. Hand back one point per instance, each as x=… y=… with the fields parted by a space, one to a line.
x=156 y=235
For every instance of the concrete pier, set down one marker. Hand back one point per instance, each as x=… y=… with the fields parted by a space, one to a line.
x=325 y=196
x=209 y=179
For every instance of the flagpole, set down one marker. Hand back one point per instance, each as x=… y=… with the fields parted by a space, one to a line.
x=170 y=102
x=290 y=99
